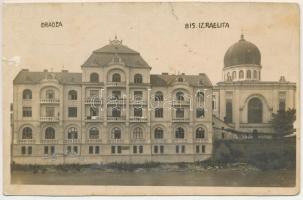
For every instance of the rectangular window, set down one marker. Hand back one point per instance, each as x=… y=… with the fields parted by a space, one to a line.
x=94 y=111
x=134 y=149
x=200 y=112
x=90 y=149
x=75 y=150
x=155 y=149
x=140 y=149
x=94 y=93
x=27 y=111
x=177 y=148
x=138 y=112
x=72 y=111
x=161 y=149
x=159 y=113
x=180 y=113
x=23 y=150
x=282 y=100
x=116 y=94
x=69 y=150
x=197 y=149
x=119 y=149
x=229 y=111
x=203 y=149
x=46 y=150
x=50 y=111
x=214 y=103
x=138 y=95
x=183 y=149
x=29 y=150
x=97 y=149
x=52 y=150
x=113 y=149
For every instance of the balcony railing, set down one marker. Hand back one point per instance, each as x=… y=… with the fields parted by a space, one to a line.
x=138 y=119
x=49 y=119
x=72 y=141
x=26 y=141
x=180 y=119
x=116 y=119
x=116 y=84
x=200 y=140
x=93 y=100
x=180 y=140
x=119 y=101
x=49 y=101
x=93 y=141
x=93 y=118
x=49 y=141
x=138 y=102
x=115 y=141
x=180 y=102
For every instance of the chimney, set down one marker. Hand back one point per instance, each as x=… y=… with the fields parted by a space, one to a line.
x=201 y=74
x=64 y=70
x=182 y=73
x=164 y=73
x=45 y=70
x=25 y=70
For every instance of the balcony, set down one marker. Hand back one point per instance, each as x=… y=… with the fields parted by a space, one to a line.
x=116 y=119
x=138 y=140
x=49 y=141
x=116 y=84
x=182 y=120
x=72 y=141
x=159 y=141
x=138 y=119
x=93 y=141
x=138 y=102
x=93 y=119
x=49 y=101
x=200 y=140
x=115 y=141
x=49 y=119
x=119 y=101
x=180 y=140
x=93 y=100
x=26 y=141
x=181 y=103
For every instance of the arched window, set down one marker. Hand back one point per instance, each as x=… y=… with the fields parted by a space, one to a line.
x=72 y=95
x=138 y=78
x=116 y=133
x=241 y=74
x=228 y=76
x=255 y=111
x=180 y=133
x=27 y=94
x=200 y=133
x=137 y=133
x=116 y=112
x=49 y=133
x=234 y=75
x=248 y=74
x=255 y=74
x=72 y=133
x=116 y=77
x=94 y=133
x=158 y=133
x=50 y=94
x=27 y=133
x=180 y=96
x=200 y=97
x=159 y=96
x=94 y=78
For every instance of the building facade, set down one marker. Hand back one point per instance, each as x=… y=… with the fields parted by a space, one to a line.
x=245 y=103
x=114 y=111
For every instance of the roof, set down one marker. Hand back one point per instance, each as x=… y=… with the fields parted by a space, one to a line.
x=242 y=52
x=27 y=77
x=105 y=55
x=167 y=80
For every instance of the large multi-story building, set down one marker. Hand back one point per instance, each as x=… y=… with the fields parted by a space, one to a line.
x=114 y=111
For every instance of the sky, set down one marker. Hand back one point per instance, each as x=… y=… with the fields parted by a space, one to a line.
x=156 y=30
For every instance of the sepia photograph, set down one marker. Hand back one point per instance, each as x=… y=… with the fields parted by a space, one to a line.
x=175 y=98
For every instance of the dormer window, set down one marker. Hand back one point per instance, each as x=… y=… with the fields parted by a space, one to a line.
x=180 y=79
x=138 y=78
x=27 y=94
x=94 y=78
x=116 y=77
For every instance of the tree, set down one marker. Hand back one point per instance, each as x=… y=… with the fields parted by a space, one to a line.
x=282 y=122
